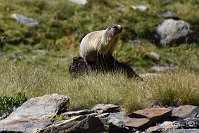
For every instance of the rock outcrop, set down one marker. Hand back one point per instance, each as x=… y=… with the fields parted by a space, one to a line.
x=103 y=64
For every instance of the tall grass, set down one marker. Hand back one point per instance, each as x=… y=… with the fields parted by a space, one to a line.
x=86 y=91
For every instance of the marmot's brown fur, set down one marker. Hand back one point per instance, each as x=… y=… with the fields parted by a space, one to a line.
x=99 y=42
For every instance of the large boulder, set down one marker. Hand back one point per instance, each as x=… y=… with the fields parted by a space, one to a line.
x=172 y=31
x=35 y=114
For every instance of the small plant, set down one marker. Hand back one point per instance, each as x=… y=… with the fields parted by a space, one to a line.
x=59 y=118
x=8 y=103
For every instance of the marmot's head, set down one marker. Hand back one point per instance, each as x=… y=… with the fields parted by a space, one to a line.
x=114 y=30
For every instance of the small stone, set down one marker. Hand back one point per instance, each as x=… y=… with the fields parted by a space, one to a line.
x=2 y=55
x=3 y=115
x=16 y=57
x=165 y=126
x=120 y=7
x=140 y=8
x=78 y=112
x=106 y=108
x=35 y=114
x=185 y=111
x=170 y=15
x=153 y=56
x=80 y=2
x=116 y=119
x=164 y=68
x=25 y=20
x=150 y=75
x=136 y=42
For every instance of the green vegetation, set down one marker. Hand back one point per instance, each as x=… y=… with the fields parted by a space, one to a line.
x=37 y=59
x=8 y=103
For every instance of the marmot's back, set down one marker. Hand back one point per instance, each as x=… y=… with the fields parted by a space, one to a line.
x=99 y=42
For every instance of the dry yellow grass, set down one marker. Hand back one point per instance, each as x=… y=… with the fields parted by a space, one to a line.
x=169 y=89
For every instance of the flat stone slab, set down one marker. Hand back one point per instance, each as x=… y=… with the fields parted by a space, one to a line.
x=151 y=113
x=76 y=124
x=138 y=123
x=149 y=116
x=185 y=111
x=106 y=108
x=35 y=114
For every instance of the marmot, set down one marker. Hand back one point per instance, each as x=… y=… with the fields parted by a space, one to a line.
x=99 y=42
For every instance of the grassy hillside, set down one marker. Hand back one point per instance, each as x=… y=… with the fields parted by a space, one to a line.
x=36 y=60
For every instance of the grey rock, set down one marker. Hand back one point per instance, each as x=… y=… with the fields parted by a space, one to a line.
x=81 y=2
x=35 y=114
x=153 y=56
x=103 y=115
x=170 y=31
x=140 y=8
x=165 y=126
x=116 y=123
x=116 y=119
x=106 y=108
x=1 y=41
x=78 y=112
x=3 y=115
x=164 y=68
x=2 y=55
x=76 y=124
x=150 y=75
x=186 y=111
x=25 y=20
x=170 y=15
x=136 y=42
x=120 y=7
x=16 y=57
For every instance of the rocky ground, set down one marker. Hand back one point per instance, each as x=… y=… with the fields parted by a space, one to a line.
x=49 y=113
